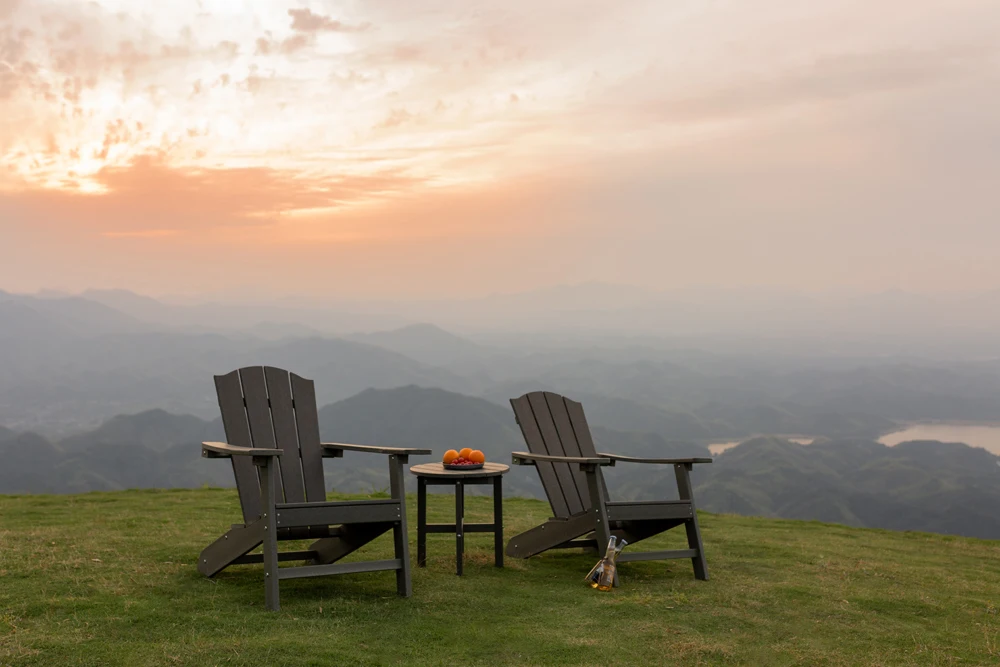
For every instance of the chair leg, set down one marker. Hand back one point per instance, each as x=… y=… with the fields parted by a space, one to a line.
x=421 y=521
x=598 y=503
x=267 y=478
x=682 y=472
x=400 y=535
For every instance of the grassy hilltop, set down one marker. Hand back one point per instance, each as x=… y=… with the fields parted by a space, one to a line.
x=110 y=579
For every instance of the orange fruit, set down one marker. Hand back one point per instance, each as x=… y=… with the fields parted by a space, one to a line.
x=477 y=456
x=450 y=456
x=465 y=453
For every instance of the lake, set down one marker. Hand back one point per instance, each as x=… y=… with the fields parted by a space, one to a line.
x=986 y=436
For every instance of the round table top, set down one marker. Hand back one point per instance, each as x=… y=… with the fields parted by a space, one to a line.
x=438 y=470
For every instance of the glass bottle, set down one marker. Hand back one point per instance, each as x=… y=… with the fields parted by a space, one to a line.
x=610 y=569
x=602 y=576
x=594 y=576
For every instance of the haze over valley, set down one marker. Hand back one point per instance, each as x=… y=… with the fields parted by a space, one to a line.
x=108 y=390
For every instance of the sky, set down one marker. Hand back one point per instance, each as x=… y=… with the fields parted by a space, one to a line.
x=451 y=148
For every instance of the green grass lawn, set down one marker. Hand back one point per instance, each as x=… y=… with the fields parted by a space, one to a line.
x=110 y=579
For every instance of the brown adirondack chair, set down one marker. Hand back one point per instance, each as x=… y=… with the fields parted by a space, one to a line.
x=562 y=450
x=272 y=430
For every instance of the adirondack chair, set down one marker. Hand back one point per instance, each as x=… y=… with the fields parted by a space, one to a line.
x=562 y=450
x=272 y=429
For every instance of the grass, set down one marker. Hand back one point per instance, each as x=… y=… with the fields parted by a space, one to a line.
x=110 y=579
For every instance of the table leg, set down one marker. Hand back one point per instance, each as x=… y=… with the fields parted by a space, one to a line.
x=498 y=520
x=421 y=522
x=459 y=525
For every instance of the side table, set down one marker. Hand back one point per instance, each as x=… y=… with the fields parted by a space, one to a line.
x=437 y=475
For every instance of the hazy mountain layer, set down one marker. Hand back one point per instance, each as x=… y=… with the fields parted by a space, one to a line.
x=948 y=488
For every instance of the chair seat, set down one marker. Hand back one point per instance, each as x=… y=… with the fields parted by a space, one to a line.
x=649 y=510
x=292 y=515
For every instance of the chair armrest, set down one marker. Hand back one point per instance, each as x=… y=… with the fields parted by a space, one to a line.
x=526 y=459
x=340 y=447
x=222 y=450
x=632 y=459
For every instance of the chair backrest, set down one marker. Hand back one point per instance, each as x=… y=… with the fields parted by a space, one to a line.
x=271 y=408
x=555 y=425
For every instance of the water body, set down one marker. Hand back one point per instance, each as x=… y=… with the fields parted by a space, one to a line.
x=986 y=436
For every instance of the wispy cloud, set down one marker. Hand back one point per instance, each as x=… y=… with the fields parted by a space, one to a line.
x=306 y=21
x=283 y=122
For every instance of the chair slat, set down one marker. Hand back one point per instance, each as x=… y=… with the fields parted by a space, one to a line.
x=259 y=415
x=234 y=420
x=584 y=438
x=570 y=443
x=547 y=428
x=536 y=445
x=279 y=393
x=307 y=420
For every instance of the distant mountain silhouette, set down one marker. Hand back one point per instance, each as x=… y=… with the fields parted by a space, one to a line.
x=141 y=307
x=425 y=343
x=35 y=465
x=55 y=379
x=419 y=417
x=792 y=418
x=624 y=415
x=342 y=368
x=80 y=316
x=156 y=429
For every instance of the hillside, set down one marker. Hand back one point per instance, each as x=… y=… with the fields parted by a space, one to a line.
x=418 y=417
x=422 y=417
x=32 y=464
x=154 y=429
x=940 y=487
x=110 y=579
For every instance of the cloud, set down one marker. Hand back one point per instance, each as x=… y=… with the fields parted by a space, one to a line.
x=288 y=46
x=148 y=197
x=395 y=118
x=15 y=67
x=304 y=20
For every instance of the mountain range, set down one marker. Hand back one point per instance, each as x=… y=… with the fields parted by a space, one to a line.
x=69 y=363
x=931 y=486
x=109 y=389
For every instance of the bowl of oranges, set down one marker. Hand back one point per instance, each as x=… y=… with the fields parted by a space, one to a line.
x=467 y=459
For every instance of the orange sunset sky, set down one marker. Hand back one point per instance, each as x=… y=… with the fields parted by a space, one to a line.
x=453 y=148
